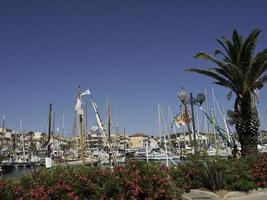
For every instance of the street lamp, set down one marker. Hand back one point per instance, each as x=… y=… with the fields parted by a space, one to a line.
x=183 y=97
x=198 y=100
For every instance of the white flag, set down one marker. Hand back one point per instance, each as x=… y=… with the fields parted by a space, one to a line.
x=86 y=92
x=78 y=107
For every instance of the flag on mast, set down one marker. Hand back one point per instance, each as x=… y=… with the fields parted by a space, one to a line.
x=78 y=105
x=181 y=120
x=87 y=92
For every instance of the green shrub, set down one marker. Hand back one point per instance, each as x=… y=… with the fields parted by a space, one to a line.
x=214 y=175
x=238 y=174
x=188 y=175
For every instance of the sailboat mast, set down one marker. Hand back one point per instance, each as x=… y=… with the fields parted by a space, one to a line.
x=3 y=130
x=100 y=125
x=81 y=128
x=14 y=145
x=166 y=151
x=224 y=121
x=75 y=128
x=168 y=127
x=124 y=140
x=206 y=120
x=54 y=127
x=49 y=129
x=86 y=117
x=116 y=120
x=172 y=125
x=63 y=125
x=81 y=138
x=198 y=134
x=108 y=128
x=22 y=135
x=214 y=118
x=159 y=116
x=264 y=127
x=164 y=136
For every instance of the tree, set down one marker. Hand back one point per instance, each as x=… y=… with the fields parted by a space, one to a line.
x=243 y=72
x=43 y=139
x=33 y=148
x=31 y=135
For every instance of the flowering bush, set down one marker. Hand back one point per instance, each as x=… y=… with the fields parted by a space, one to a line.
x=136 y=180
x=259 y=171
x=5 y=193
x=10 y=190
x=141 y=180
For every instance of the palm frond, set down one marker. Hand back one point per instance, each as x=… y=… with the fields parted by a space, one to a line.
x=237 y=69
x=258 y=67
x=229 y=95
x=260 y=82
x=231 y=49
x=219 y=52
x=233 y=118
x=221 y=42
x=234 y=74
x=225 y=84
x=237 y=40
x=249 y=47
x=214 y=75
x=256 y=96
x=238 y=43
x=202 y=55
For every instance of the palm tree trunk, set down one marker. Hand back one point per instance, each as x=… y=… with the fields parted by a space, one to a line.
x=247 y=126
x=248 y=143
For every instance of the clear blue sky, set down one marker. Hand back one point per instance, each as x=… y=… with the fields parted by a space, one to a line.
x=134 y=51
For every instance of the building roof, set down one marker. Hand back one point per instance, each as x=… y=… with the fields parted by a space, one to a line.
x=138 y=135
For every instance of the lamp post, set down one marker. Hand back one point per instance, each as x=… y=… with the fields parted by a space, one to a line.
x=198 y=100
x=183 y=97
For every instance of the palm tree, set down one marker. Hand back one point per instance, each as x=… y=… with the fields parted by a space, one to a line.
x=31 y=145
x=241 y=71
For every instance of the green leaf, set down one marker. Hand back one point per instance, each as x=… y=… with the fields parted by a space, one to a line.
x=202 y=55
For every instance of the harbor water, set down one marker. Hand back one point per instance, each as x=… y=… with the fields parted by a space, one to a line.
x=18 y=172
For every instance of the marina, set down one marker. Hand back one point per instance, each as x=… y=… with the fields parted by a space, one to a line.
x=133 y=100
